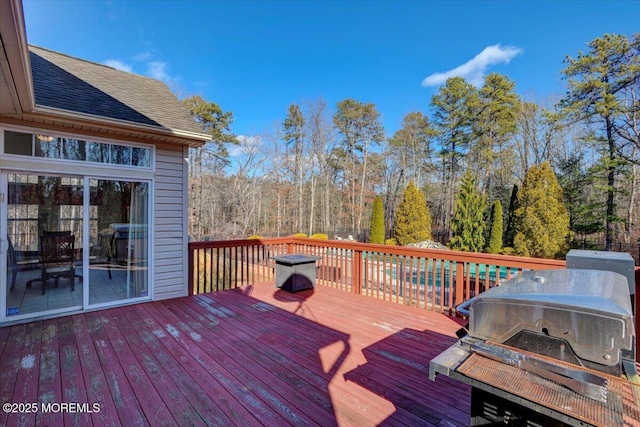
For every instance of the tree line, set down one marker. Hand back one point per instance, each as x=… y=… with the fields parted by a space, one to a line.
x=320 y=169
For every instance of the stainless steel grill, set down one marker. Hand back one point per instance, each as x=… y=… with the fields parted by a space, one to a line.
x=552 y=347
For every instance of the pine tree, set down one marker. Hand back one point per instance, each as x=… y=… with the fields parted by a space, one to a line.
x=376 y=230
x=510 y=232
x=542 y=221
x=467 y=226
x=602 y=91
x=413 y=220
x=495 y=236
x=490 y=153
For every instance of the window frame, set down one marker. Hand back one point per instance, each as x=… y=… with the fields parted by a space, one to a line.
x=88 y=141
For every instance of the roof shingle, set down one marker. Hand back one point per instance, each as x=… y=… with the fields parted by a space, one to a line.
x=76 y=85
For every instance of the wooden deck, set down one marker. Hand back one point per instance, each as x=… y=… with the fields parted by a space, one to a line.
x=251 y=356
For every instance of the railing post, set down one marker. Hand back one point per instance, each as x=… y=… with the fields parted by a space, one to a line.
x=635 y=311
x=357 y=271
x=289 y=247
x=459 y=284
x=190 y=283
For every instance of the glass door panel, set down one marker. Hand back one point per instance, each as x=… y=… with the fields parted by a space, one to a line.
x=44 y=234
x=119 y=239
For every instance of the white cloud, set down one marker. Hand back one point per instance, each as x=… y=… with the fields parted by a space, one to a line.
x=143 y=56
x=473 y=70
x=118 y=65
x=247 y=144
x=158 y=70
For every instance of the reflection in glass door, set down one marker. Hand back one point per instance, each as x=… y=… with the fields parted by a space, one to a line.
x=44 y=234
x=58 y=225
x=118 y=267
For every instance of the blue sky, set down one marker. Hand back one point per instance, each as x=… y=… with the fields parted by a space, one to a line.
x=256 y=58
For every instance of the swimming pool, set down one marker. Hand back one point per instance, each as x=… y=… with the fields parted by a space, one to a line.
x=420 y=278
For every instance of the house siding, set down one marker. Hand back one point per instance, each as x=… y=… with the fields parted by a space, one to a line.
x=170 y=233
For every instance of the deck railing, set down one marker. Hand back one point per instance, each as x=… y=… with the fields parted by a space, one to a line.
x=436 y=280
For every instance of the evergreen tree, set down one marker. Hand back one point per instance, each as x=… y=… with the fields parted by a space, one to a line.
x=376 y=230
x=206 y=160
x=360 y=132
x=214 y=122
x=580 y=191
x=495 y=236
x=294 y=136
x=510 y=232
x=542 y=221
x=455 y=108
x=602 y=91
x=491 y=152
x=467 y=226
x=413 y=220
x=412 y=146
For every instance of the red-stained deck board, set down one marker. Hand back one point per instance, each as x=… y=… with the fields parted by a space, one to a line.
x=289 y=351
x=203 y=406
x=228 y=406
x=26 y=388
x=263 y=400
x=410 y=354
x=391 y=362
x=302 y=331
x=307 y=400
x=126 y=403
x=94 y=377
x=293 y=361
x=252 y=356
x=401 y=319
x=173 y=399
x=9 y=367
x=73 y=385
x=4 y=337
x=147 y=396
x=211 y=361
x=49 y=386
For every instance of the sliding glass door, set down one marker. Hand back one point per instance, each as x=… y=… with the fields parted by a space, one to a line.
x=72 y=242
x=119 y=233
x=44 y=235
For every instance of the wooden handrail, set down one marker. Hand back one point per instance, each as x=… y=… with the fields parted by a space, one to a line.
x=398 y=273
x=432 y=279
x=506 y=260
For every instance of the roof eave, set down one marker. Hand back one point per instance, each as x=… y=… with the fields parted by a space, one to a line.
x=192 y=139
x=14 y=41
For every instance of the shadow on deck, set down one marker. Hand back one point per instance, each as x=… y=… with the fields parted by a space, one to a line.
x=250 y=356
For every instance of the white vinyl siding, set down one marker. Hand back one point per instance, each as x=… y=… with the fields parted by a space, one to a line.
x=170 y=270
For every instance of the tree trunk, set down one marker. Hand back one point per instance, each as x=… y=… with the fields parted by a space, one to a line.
x=365 y=156
x=611 y=180
x=299 y=179
x=312 y=199
x=632 y=201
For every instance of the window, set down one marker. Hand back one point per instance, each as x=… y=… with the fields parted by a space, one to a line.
x=22 y=224
x=22 y=212
x=18 y=143
x=120 y=155
x=74 y=149
x=71 y=219
x=48 y=146
x=55 y=147
x=141 y=157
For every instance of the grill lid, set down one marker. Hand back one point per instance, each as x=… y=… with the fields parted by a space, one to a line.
x=590 y=309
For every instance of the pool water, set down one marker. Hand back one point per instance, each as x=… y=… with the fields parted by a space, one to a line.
x=417 y=275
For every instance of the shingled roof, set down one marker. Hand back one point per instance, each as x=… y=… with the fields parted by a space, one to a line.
x=72 y=84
